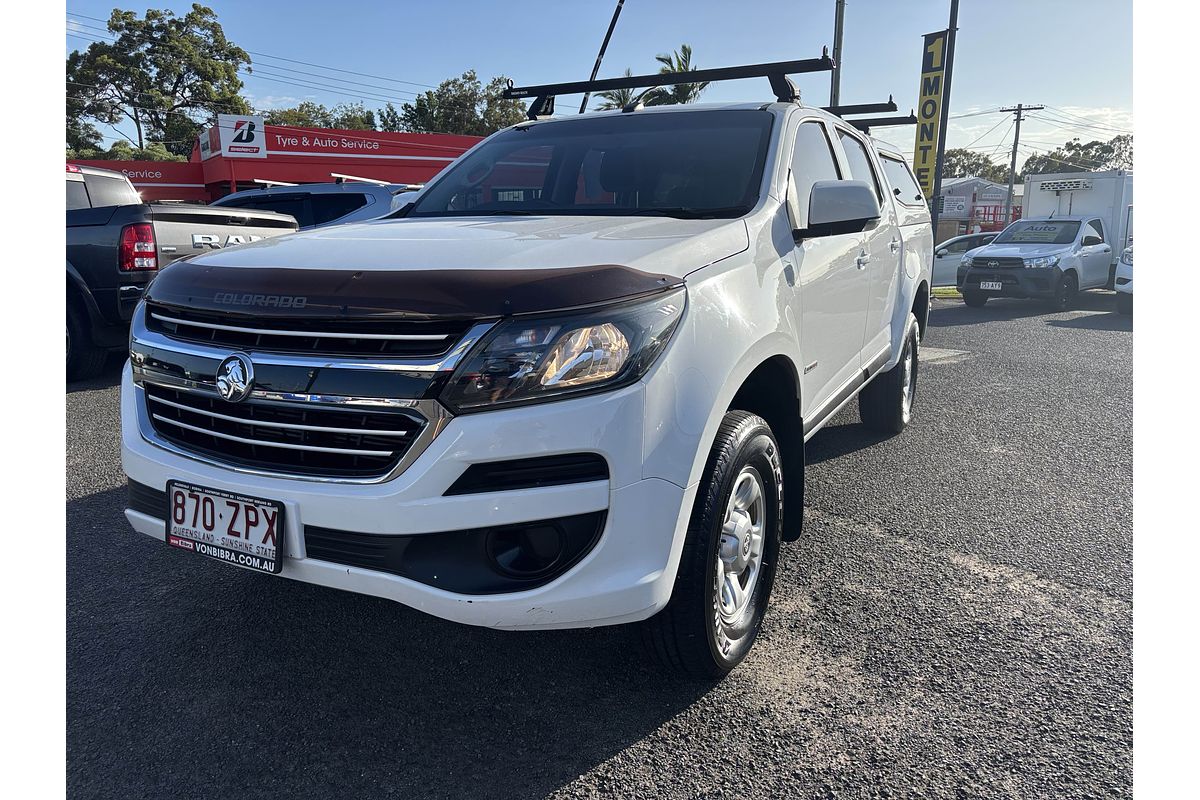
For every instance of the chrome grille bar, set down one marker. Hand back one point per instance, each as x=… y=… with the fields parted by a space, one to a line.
x=391 y=337
x=261 y=443
x=285 y=425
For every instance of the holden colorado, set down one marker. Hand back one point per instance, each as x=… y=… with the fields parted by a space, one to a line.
x=569 y=385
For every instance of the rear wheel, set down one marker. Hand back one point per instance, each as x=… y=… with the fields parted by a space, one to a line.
x=84 y=359
x=1124 y=303
x=728 y=563
x=1065 y=292
x=886 y=404
x=974 y=299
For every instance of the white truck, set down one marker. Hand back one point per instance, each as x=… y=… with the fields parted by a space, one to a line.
x=1107 y=195
x=569 y=386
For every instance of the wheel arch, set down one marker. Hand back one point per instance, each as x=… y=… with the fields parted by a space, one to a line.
x=920 y=307
x=772 y=391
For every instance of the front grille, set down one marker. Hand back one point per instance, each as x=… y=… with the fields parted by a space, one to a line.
x=1000 y=262
x=327 y=337
x=294 y=438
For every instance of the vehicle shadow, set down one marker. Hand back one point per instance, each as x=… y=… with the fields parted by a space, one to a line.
x=834 y=441
x=949 y=312
x=1111 y=321
x=185 y=673
x=109 y=377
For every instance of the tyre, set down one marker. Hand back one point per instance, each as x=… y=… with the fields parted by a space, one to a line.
x=1124 y=303
x=84 y=359
x=729 y=556
x=1065 y=292
x=975 y=299
x=885 y=404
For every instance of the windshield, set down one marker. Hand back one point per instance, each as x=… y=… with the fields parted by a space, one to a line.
x=687 y=164
x=1039 y=231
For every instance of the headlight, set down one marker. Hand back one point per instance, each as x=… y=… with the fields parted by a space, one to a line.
x=967 y=261
x=536 y=358
x=1041 y=262
x=1127 y=258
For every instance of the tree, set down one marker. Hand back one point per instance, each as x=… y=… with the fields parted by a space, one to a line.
x=960 y=163
x=1077 y=156
x=122 y=150
x=672 y=63
x=390 y=119
x=616 y=98
x=462 y=105
x=159 y=68
x=347 y=116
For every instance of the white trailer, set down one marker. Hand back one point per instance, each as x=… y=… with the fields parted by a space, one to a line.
x=1107 y=195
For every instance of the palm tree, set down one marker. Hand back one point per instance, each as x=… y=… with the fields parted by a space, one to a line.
x=616 y=98
x=679 y=61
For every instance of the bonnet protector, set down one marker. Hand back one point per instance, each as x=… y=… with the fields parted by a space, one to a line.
x=405 y=294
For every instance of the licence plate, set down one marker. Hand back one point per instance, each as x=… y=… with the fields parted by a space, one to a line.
x=995 y=286
x=244 y=531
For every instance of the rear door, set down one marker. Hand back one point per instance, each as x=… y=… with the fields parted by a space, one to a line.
x=831 y=290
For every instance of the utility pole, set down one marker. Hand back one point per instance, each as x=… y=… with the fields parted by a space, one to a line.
x=835 y=75
x=1019 y=110
x=600 y=56
x=951 y=35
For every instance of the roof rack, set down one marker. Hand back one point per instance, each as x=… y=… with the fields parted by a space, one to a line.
x=866 y=124
x=777 y=72
x=863 y=108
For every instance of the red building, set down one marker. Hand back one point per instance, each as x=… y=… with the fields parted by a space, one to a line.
x=239 y=151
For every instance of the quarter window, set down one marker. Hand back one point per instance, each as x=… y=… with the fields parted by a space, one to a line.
x=900 y=177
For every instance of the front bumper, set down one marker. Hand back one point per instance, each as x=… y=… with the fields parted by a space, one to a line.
x=1016 y=282
x=627 y=574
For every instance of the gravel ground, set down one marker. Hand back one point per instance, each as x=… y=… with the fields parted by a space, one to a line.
x=957 y=622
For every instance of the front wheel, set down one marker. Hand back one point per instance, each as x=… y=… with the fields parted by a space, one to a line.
x=1065 y=292
x=728 y=563
x=886 y=403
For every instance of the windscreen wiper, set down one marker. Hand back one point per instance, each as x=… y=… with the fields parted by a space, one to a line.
x=687 y=212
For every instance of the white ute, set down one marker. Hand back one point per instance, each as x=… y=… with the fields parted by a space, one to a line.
x=570 y=386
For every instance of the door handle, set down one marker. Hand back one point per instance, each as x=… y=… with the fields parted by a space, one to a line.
x=894 y=244
x=862 y=260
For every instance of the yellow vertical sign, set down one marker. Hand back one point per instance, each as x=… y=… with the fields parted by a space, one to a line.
x=929 y=110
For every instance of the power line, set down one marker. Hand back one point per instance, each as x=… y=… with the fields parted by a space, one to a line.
x=304 y=63
x=1064 y=112
x=302 y=83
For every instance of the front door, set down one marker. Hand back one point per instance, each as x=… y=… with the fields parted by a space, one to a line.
x=831 y=284
x=1096 y=255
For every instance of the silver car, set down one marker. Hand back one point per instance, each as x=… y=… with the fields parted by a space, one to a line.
x=949 y=253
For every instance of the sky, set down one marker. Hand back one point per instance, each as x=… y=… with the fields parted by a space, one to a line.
x=1073 y=56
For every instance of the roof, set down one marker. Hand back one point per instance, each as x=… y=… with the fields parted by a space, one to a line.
x=320 y=188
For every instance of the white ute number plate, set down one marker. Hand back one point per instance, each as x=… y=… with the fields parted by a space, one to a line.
x=994 y=286
x=239 y=530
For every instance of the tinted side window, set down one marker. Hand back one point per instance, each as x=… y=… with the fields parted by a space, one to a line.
x=812 y=160
x=77 y=196
x=961 y=246
x=903 y=184
x=1093 y=230
x=106 y=191
x=859 y=162
x=328 y=207
x=292 y=204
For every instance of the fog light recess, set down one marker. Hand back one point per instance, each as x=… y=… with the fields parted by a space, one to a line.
x=526 y=551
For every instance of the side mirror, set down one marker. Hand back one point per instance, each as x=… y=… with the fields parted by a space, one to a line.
x=839 y=207
x=1092 y=241
x=942 y=253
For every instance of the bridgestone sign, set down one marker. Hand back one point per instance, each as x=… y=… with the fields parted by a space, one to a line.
x=929 y=110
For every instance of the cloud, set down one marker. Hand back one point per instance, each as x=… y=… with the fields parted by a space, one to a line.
x=272 y=101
